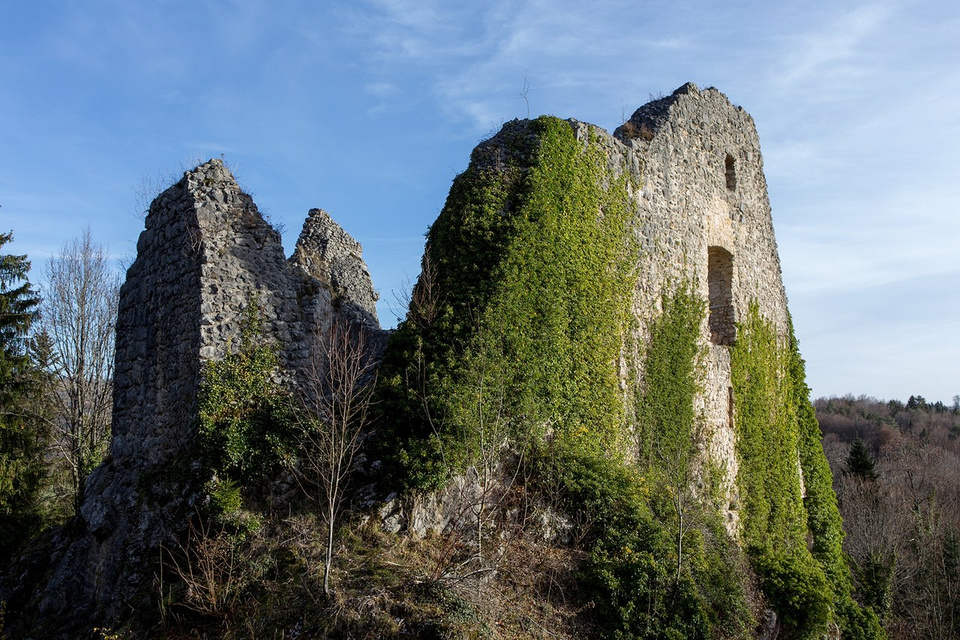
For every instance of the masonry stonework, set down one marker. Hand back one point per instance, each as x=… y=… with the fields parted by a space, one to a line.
x=204 y=254
x=705 y=215
x=701 y=215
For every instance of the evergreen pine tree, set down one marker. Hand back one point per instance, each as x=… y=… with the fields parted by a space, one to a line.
x=860 y=462
x=22 y=437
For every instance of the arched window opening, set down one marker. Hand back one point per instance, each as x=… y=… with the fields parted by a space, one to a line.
x=723 y=329
x=731 y=172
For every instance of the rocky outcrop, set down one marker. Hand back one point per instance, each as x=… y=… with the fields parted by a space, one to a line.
x=205 y=253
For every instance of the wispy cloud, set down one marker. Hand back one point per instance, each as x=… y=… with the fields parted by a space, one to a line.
x=855 y=101
x=477 y=60
x=382 y=89
x=837 y=49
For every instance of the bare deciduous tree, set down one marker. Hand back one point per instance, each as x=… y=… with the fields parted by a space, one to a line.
x=424 y=303
x=337 y=395
x=79 y=314
x=902 y=522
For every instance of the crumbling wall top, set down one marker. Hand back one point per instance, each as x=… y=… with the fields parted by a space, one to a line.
x=330 y=255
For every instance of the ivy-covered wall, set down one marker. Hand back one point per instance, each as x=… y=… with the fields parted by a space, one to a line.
x=518 y=320
x=564 y=311
x=779 y=447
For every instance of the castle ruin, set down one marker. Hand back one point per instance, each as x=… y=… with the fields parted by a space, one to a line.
x=702 y=212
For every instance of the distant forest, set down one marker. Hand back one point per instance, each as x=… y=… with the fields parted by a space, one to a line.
x=896 y=471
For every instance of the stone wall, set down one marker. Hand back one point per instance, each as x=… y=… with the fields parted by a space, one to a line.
x=204 y=254
x=704 y=215
x=328 y=254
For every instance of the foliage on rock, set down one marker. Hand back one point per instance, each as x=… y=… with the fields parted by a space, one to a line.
x=777 y=433
x=526 y=327
x=630 y=575
x=661 y=564
x=246 y=423
x=666 y=418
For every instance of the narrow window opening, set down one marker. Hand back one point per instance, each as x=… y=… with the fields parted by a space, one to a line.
x=730 y=407
x=731 y=172
x=723 y=330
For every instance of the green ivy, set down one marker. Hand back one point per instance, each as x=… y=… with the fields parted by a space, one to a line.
x=528 y=322
x=767 y=438
x=515 y=334
x=630 y=574
x=642 y=582
x=777 y=431
x=666 y=419
x=246 y=423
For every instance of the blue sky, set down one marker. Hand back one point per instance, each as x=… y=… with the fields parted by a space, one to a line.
x=369 y=110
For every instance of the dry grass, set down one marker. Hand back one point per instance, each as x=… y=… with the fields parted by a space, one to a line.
x=269 y=584
x=630 y=130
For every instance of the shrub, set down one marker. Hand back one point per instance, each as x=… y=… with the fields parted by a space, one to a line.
x=630 y=574
x=246 y=418
x=797 y=589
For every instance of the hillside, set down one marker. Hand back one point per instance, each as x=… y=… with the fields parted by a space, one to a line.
x=896 y=469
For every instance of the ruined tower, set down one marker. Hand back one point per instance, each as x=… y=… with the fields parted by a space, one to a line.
x=686 y=174
x=704 y=214
x=204 y=254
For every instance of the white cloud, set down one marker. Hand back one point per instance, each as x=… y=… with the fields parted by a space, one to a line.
x=837 y=50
